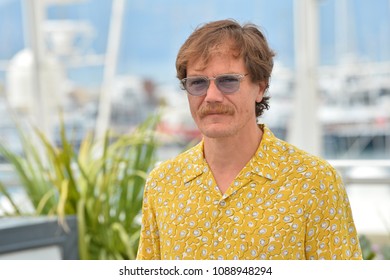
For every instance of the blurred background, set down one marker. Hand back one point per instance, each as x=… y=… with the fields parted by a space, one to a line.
x=110 y=64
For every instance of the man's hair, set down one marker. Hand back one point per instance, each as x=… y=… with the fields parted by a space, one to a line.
x=246 y=41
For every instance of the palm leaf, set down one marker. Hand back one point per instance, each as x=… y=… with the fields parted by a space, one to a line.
x=102 y=183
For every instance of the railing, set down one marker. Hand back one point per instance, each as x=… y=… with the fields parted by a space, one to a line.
x=7 y=175
x=363 y=172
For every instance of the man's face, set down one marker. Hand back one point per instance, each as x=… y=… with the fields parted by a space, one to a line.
x=219 y=115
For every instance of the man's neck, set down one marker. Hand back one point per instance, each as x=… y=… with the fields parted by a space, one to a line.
x=228 y=156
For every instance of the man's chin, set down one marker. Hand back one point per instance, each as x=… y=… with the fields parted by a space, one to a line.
x=216 y=131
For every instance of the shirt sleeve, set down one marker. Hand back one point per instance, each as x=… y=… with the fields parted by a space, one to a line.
x=330 y=231
x=149 y=245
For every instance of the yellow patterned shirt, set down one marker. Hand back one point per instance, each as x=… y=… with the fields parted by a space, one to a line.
x=284 y=204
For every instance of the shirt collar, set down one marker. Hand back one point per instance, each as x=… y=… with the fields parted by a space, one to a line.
x=193 y=159
x=263 y=163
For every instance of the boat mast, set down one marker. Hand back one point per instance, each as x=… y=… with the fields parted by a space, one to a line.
x=34 y=40
x=111 y=61
x=305 y=128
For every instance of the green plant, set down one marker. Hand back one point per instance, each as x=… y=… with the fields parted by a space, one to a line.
x=366 y=246
x=102 y=183
x=371 y=251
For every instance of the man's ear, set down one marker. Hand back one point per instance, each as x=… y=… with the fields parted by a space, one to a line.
x=260 y=94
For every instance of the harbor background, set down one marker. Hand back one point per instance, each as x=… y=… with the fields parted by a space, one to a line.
x=110 y=64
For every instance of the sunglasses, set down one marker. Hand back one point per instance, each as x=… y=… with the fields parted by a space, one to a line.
x=226 y=83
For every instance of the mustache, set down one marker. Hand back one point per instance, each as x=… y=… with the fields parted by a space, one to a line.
x=215 y=109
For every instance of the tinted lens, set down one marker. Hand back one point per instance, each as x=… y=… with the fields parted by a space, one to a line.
x=228 y=83
x=196 y=85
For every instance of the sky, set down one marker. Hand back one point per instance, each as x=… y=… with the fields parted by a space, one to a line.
x=153 y=31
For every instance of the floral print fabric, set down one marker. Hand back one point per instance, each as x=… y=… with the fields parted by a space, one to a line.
x=285 y=204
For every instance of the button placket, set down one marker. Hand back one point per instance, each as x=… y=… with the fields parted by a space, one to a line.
x=219 y=231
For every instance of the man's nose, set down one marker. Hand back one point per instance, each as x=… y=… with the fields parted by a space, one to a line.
x=213 y=94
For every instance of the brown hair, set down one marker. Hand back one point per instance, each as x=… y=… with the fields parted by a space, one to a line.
x=246 y=41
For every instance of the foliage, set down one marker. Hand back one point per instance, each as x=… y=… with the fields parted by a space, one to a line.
x=372 y=252
x=102 y=183
x=366 y=246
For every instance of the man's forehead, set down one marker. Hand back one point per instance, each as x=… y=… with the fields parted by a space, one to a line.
x=200 y=63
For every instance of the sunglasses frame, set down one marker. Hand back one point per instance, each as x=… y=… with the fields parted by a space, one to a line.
x=207 y=79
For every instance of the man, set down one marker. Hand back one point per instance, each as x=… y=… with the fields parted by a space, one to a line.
x=240 y=193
